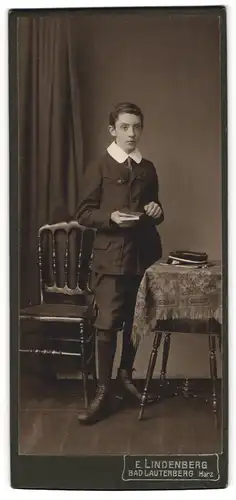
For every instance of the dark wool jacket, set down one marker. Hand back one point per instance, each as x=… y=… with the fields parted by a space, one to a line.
x=109 y=186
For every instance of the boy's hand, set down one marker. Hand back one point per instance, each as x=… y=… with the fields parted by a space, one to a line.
x=153 y=210
x=116 y=217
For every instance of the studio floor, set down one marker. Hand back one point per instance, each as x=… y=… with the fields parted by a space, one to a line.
x=48 y=423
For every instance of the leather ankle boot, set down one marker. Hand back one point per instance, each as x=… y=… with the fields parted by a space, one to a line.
x=97 y=409
x=124 y=378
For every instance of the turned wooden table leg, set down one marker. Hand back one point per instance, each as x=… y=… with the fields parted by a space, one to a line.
x=213 y=371
x=186 y=388
x=165 y=357
x=150 y=370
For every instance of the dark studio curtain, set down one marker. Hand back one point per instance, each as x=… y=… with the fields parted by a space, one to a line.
x=50 y=139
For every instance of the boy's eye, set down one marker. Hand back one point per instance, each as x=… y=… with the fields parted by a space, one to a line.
x=125 y=127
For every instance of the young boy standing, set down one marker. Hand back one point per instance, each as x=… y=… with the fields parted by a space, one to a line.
x=120 y=181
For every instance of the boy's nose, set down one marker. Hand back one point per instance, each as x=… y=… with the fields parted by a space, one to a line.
x=131 y=133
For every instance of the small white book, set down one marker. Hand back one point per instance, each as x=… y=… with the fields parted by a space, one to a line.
x=130 y=216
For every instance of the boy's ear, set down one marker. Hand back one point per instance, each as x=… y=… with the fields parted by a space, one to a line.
x=112 y=130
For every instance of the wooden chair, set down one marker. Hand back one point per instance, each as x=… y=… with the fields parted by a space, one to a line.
x=64 y=257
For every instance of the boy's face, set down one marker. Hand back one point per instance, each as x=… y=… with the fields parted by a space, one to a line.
x=127 y=131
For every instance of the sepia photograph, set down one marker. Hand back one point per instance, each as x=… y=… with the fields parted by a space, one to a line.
x=119 y=217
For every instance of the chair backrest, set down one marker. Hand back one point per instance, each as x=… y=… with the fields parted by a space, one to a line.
x=64 y=258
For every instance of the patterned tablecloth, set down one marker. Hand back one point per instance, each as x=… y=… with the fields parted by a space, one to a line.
x=170 y=292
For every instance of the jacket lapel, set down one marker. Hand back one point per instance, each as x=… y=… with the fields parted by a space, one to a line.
x=139 y=172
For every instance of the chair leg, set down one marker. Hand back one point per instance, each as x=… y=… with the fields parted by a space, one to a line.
x=219 y=342
x=213 y=371
x=150 y=370
x=84 y=364
x=94 y=371
x=165 y=357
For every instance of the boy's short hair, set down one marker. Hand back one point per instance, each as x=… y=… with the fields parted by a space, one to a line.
x=125 y=107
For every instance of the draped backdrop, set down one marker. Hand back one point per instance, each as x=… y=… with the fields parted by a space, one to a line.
x=50 y=137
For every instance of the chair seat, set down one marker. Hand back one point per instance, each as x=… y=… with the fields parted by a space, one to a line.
x=57 y=312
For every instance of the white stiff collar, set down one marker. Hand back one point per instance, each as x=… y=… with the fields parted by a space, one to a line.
x=120 y=155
